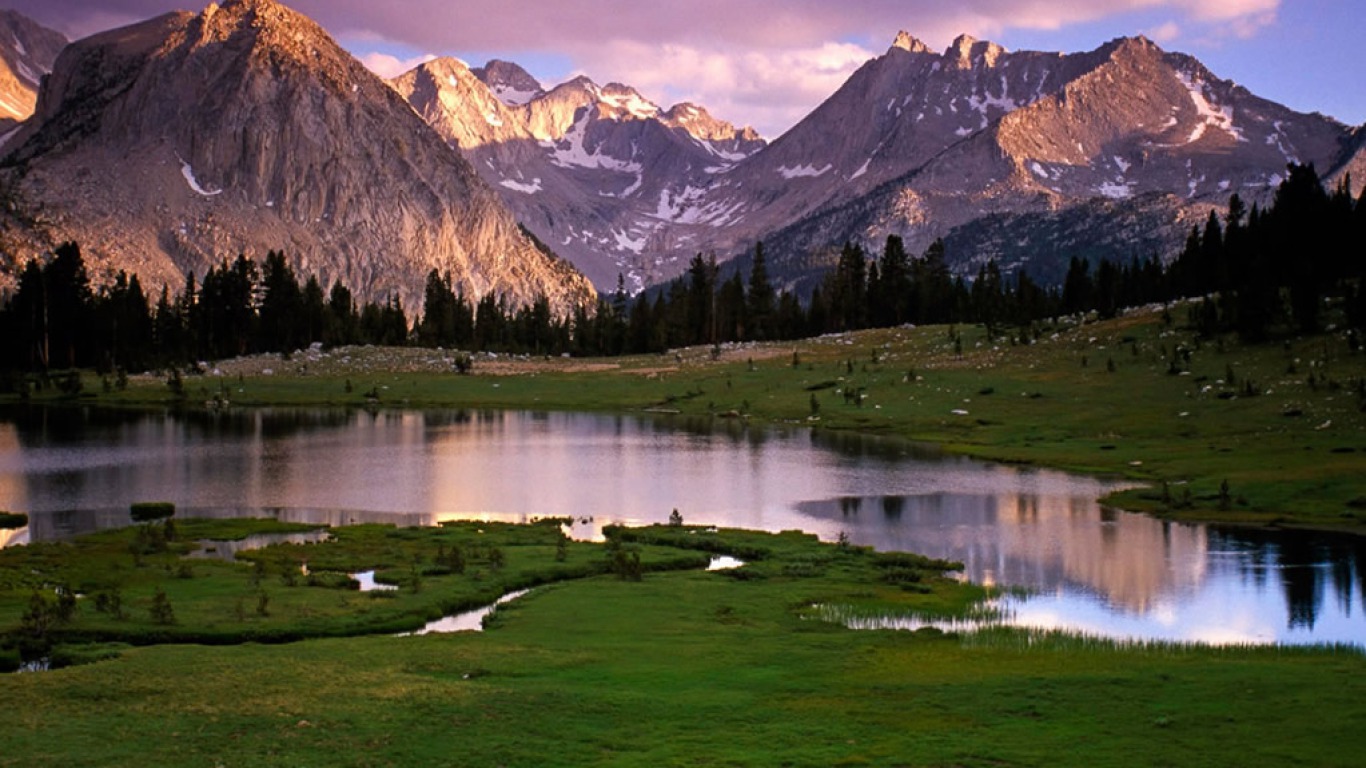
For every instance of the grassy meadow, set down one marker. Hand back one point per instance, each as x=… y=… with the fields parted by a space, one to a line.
x=258 y=662
x=683 y=667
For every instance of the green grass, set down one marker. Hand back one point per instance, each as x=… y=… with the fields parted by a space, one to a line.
x=693 y=668
x=688 y=667
x=265 y=595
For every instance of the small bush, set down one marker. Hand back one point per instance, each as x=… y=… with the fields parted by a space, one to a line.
x=330 y=580
x=146 y=511
x=161 y=610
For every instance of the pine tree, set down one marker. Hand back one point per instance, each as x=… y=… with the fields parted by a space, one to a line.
x=759 y=300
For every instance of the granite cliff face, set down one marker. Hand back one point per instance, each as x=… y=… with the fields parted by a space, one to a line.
x=170 y=145
x=27 y=52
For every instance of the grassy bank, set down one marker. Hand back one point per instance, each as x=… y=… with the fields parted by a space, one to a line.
x=1252 y=434
x=691 y=668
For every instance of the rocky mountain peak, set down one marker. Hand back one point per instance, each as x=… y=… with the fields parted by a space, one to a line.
x=169 y=145
x=271 y=32
x=1131 y=49
x=624 y=102
x=696 y=120
x=967 y=52
x=454 y=101
x=513 y=85
x=906 y=42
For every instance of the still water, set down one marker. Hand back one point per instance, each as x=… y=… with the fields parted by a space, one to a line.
x=1086 y=568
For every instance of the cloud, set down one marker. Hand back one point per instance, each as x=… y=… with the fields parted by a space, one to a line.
x=1164 y=33
x=771 y=88
x=388 y=66
x=749 y=61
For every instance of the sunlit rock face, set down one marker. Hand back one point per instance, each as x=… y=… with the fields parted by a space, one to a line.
x=600 y=173
x=1028 y=158
x=27 y=52
x=169 y=145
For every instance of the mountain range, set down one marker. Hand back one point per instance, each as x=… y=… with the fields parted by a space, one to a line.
x=171 y=144
x=1026 y=158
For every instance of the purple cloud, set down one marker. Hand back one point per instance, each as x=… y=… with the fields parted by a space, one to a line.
x=750 y=61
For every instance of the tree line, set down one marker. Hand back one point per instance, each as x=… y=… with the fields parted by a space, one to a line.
x=1263 y=273
x=56 y=321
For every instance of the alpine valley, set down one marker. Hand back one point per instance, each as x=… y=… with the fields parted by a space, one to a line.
x=170 y=145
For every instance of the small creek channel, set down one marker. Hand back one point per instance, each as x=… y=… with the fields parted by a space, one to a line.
x=1081 y=567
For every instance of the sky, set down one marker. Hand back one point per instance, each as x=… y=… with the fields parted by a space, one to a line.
x=766 y=63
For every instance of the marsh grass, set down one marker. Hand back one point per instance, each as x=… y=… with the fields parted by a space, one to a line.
x=685 y=667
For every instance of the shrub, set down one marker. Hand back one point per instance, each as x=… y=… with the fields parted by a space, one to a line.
x=146 y=511
x=161 y=610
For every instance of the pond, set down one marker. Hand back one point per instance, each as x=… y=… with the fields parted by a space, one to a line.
x=1084 y=567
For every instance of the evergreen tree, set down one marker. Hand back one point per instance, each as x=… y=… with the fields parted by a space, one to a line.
x=314 y=320
x=67 y=303
x=280 y=326
x=343 y=324
x=1077 y=288
x=731 y=321
x=1298 y=231
x=28 y=310
x=701 y=310
x=438 y=325
x=933 y=286
x=892 y=301
x=847 y=290
x=759 y=300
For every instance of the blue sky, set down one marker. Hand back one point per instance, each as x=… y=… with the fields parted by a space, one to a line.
x=766 y=63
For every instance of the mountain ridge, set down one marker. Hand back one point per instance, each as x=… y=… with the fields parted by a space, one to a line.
x=1026 y=158
x=265 y=158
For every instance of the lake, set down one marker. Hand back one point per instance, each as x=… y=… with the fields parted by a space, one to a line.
x=1085 y=568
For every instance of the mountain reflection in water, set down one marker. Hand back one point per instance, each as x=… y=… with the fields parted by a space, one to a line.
x=1122 y=571
x=1091 y=569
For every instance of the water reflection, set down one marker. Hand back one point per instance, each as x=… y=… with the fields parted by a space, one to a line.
x=1109 y=572
x=1118 y=574
x=1043 y=542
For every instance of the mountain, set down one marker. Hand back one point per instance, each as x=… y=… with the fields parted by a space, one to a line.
x=1027 y=158
x=600 y=173
x=169 y=145
x=27 y=52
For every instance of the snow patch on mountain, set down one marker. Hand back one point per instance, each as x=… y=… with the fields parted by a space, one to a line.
x=630 y=102
x=1210 y=114
x=530 y=189
x=1116 y=190
x=803 y=171
x=570 y=151
x=513 y=97
x=627 y=243
x=188 y=173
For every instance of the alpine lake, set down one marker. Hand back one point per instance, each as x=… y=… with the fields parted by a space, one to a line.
x=1061 y=559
